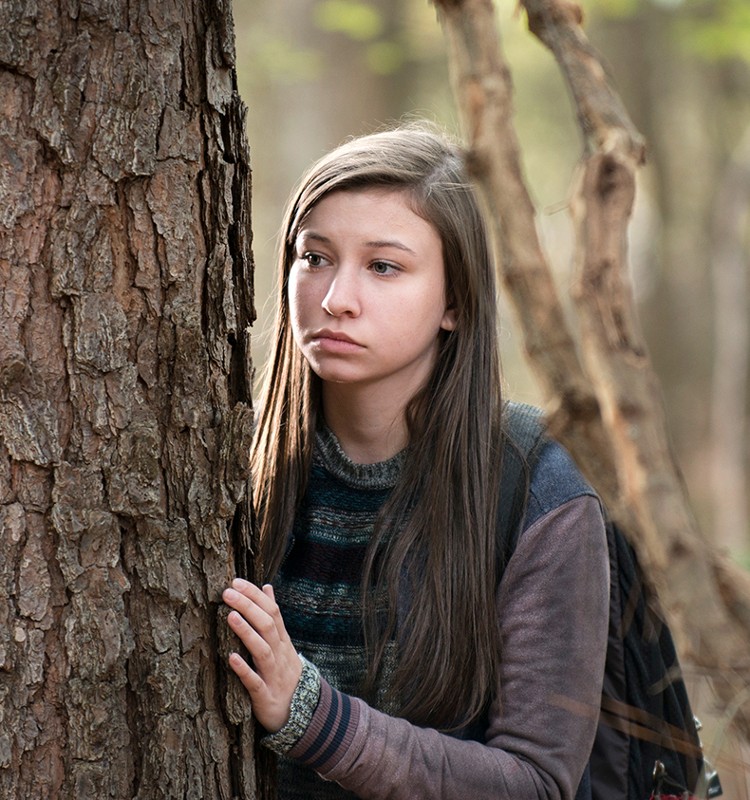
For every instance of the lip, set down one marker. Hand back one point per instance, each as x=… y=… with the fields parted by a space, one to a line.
x=335 y=341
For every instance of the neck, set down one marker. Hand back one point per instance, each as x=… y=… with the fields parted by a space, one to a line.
x=368 y=428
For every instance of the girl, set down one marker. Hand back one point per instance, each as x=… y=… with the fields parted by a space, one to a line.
x=387 y=660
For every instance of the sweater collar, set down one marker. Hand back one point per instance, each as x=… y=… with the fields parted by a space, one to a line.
x=381 y=475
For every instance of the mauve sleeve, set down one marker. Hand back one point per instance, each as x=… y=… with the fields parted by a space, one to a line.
x=552 y=606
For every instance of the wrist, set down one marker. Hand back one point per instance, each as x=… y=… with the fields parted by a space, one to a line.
x=303 y=704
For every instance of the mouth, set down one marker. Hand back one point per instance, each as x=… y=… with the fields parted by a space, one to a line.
x=335 y=336
x=334 y=341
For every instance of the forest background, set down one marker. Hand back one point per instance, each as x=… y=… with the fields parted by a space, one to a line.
x=313 y=72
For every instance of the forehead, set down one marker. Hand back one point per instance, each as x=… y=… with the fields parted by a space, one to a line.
x=367 y=209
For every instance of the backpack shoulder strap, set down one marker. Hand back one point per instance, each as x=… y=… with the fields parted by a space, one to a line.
x=524 y=423
x=523 y=428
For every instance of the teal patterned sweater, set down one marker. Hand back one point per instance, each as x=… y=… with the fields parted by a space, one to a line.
x=318 y=586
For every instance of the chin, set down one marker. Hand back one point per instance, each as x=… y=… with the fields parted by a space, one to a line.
x=328 y=374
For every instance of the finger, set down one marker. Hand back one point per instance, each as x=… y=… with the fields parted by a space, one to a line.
x=247 y=604
x=248 y=676
x=253 y=592
x=241 y=585
x=274 y=610
x=259 y=607
x=261 y=652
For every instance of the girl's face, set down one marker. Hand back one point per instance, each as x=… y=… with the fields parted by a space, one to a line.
x=367 y=292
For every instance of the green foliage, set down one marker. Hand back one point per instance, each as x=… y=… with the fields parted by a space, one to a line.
x=360 y=21
x=718 y=31
x=385 y=58
x=269 y=56
x=280 y=61
x=668 y=3
x=616 y=9
x=713 y=30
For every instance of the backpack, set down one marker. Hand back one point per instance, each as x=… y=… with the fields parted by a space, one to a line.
x=647 y=743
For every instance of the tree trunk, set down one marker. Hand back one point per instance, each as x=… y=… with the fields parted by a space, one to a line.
x=125 y=297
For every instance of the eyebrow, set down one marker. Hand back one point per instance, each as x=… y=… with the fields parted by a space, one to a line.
x=377 y=243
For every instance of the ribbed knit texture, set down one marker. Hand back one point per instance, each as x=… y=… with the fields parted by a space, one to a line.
x=318 y=586
x=304 y=701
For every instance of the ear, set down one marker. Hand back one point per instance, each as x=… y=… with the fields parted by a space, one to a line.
x=450 y=319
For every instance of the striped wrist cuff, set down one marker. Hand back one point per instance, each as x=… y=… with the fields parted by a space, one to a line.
x=304 y=701
x=330 y=733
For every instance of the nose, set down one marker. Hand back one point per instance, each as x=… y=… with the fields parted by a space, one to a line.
x=342 y=297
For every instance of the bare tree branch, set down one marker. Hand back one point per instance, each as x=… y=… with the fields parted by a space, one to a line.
x=602 y=116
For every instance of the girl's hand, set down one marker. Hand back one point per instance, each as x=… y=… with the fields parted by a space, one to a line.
x=257 y=621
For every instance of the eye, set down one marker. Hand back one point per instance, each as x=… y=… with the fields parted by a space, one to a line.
x=313 y=259
x=383 y=268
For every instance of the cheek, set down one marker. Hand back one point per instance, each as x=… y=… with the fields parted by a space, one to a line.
x=292 y=293
x=300 y=297
x=294 y=311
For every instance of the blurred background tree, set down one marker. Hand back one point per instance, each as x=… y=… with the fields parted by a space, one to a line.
x=317 y=71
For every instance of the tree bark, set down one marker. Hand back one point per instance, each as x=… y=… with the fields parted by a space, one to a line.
x=616 y=429
x=125 y=412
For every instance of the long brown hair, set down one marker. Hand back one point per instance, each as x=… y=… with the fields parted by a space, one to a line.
x=444 y=505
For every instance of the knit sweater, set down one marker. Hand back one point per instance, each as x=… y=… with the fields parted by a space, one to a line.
x=552 y=612
x=318 y=586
